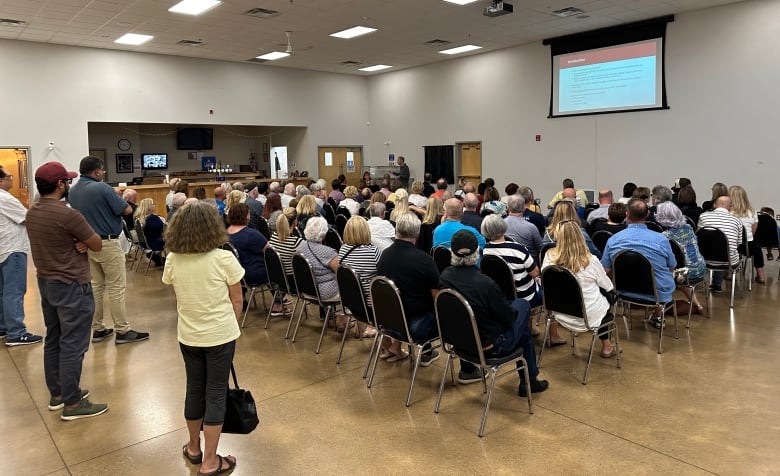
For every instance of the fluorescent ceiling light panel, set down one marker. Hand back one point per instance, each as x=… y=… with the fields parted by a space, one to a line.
x=460 y=2
x=460 y=49
x=376 y=67
x=353 y=32
x=194 y=7
x=133 y=39
x=274 y=55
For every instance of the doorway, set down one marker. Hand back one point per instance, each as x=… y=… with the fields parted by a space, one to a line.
x=14 y=162
x=470 y=162
x=337 y=160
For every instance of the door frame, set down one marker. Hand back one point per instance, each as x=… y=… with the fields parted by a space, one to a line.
x=459 y=163
x=29 y=176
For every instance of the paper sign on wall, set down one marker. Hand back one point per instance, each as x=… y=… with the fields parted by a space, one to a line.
x=328 y=159
x=350 y=162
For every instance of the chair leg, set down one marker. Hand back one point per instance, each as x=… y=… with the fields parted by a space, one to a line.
x=733 y=286
x=625 y=321
x=298 y=322
x=527 y=381
x=690 y=305
x=249 y=303
x=344 y=338
x=544 y=339
x=590 y=357
x=447 y=364
x=325 y=327
x=292 y=316
x=376 y=359
x=374 y=349
x=487 y=401
x=661 y=329
x=617 y=344
x=418 y=356
x=276 y=293
x=148 y=264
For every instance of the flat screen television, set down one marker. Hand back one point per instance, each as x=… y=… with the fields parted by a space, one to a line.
x=156 y=161
x=195 y=138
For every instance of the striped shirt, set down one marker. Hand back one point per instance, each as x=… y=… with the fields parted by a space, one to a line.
x=286 y=250
x=363 y=259
x=730 y=226
x=520 y=262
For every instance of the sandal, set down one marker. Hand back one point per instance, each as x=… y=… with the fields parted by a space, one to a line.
x=555 y=344
x=221 y=469
x=367 y=332
x=196 y=459
x=398 y=357
x=611 y=354
x=385 y=354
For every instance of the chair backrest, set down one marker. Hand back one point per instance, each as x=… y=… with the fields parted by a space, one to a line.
x=228 y=246
x=766 y=232
x=330 y=215
x=342 y=210
x=262 y=227
x=713 y=246
x=425 y=240
x=305 y=282
x=651 y=225
x=633 y=273
x=332 y=202
x=442 y=257
x=590 y=226
x=600 y=239
x=500 y=272
x=690 y=221
x=679 y=254
x=458 y=327
x=485 y=212
x=545 y=248
x=388 y=307
x=562 y=293
x=351 y=293
x=139 y=231
x=389 y=206
x=333 y=239
x=275 y=269
x=341 y=223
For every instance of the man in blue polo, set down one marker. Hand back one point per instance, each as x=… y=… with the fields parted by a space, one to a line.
x=453 y=211
x=103 y=209
x=652 y=245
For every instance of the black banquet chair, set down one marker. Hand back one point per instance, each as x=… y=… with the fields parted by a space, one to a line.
x=278 y=284
x=262 y=227
x=251 y=288
x=144 y=247
x=499 y=271
x=442 y=257
x=684 y=281
x=600 y=239
x=332 y=239
x=714 y=248
x=460 y=338
x=563 y=295
x=308 y=292
x=353 y=298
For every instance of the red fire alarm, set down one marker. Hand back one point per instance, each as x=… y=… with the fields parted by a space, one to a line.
x=538 y=137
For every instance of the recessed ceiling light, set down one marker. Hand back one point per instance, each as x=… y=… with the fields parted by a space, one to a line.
x=460 y=49
x=460 y=2
x=274 y=55
x=376 y=67
x=133 y=39
x=194 y=7
x=353 y=32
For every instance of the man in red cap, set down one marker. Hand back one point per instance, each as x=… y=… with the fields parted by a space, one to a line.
x=59 y=239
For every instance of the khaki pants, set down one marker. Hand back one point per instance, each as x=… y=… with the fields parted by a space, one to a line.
x=108 y=277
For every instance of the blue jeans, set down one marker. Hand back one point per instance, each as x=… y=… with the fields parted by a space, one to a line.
x=13 y=286
x=67 y=312
x=421 y=329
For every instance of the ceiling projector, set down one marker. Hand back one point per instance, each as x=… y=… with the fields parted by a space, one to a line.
x=496 y=9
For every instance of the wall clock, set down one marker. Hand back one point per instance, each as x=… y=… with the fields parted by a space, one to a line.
x=123 y=144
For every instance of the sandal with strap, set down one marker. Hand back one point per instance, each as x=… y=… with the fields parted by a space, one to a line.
x=222 y=469
x=194 y=459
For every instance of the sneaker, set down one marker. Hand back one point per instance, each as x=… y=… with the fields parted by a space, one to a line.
x=429 y=358
x=56 y=403
x=716 y=289
x=537 y=386
x=279 y=311
x=656 y=322
x=100 y=336
x=470 y=377
x=131 y=336
x=84 y=409
x=25 y=339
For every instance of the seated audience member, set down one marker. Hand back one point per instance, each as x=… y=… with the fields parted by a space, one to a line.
x=569 y=195
x=521 y=230
x=719 y=189
x=234 y=198
x=720 y=217
x=628 y=192
x=224 y=186
x=616 y=215
x=219 y=197
x=238 y=186
x=177 y=202
x=306 y=208
x=417 y=198
x=564 y=211
x=272 y=210
x=741 y=208
x=771 y=212
x=395 y=185
x=323 y=259
x=358 y=252
x=273 y=188
x=441 y=187
x=493 y=202
x=653 y=246
x=572 y=254
x=511 y=189
x=255 y=206
x=453 y=210
x=470 y=216
x=319 y=195
x=428 y=189
x=401 y=204
x=153 y=226
x=580 y=199
x=382 y=231
x=365 y=182
x=365 y=195
x=193 y=200
x=199 y=193
x=288 y=195
x=660 y=194
x=605 y=200
x=384 y=187
x=503 y=326
x=432 y=216
x=642 y=193
x=417 y=278
x=286 y=244
x=532 y=211
x=686 y=199
x=676 y=229
x=131 y=197
x=350 y=200
x=249 y=243
x=169 y=197
x=679 y=184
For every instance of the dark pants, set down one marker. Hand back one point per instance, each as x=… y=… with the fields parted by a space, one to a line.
x=208 y=371
x=421 y=329
x=67 y=313
x=519 y=335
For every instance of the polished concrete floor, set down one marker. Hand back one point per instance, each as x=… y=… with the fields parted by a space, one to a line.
x=706 y=405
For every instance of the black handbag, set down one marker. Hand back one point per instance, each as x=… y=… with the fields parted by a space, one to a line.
x=240 y=410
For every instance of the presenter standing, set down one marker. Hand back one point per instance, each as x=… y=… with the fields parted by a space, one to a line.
x=403 y=172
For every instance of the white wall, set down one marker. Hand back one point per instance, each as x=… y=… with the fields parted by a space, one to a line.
x=722 y=126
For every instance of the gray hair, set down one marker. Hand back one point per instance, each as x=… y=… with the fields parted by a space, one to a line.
x=470 y=201
x=128 y=193
x=493 y=227
x=322 y=183
x=315 y=187
x=661 y=194
x=526 y=193
x=274 y=187
x=669 y=215
x=178 y=199
x=210 y=201
x=463 y=261
x=238 y=186
x=301 y=191
x=516 y=203
x=407 y=226
x=316 y=227
x=377 y=209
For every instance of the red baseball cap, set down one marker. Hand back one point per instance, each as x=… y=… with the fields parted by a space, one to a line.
x=53 y=172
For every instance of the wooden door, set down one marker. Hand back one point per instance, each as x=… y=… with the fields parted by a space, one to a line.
x=337 y=160
x=14 y=162
x=470 y=162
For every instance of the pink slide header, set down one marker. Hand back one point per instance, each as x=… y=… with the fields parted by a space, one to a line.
x=605 y=56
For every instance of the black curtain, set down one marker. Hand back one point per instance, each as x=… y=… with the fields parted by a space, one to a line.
x=440 y=162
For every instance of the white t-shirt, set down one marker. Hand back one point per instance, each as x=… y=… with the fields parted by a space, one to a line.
x=591 y=278
x=201 y=281
x=748 y=222
x=13 y=233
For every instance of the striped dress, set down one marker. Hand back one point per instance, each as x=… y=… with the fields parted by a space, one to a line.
x=520 y=262
x=363 y=259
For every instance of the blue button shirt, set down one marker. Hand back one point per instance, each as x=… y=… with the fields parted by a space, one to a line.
x=442 y=235
x=653 y=246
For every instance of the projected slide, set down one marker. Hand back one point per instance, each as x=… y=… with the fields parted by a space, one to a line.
x=616 y=78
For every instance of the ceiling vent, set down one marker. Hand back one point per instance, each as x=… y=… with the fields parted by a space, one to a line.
x=261 y=13
x=567 y=12
x=437 y=42
x=351 y=63
x=192 y=43
x=9 y=22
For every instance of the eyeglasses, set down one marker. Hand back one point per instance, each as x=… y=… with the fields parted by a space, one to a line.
x=9 y=177
x=66 y=180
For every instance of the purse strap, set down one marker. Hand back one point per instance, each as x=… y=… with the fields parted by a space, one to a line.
x=233 y=373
